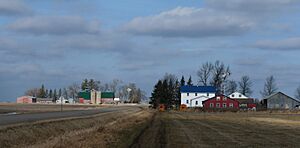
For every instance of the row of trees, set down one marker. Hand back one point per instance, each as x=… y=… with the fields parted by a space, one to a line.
x=42 y=92
x=167 y=90
x=135 y=94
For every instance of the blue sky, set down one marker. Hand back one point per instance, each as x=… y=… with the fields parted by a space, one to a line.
x=58 y=42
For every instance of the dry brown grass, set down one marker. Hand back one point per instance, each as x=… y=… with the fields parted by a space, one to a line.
x=188 y=129
x=96 y=131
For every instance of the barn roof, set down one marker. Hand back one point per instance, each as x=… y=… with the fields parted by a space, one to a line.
x=218 y=96
x=268 y=97
x=199 y=89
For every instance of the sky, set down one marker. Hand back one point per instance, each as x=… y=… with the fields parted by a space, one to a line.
x=59 y=42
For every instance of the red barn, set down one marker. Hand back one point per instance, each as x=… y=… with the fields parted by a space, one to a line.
x=220 y=102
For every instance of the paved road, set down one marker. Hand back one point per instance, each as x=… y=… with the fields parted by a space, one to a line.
x=20 y=118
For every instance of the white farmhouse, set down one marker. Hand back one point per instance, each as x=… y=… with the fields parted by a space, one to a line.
x=237 y=95
x=192 y=96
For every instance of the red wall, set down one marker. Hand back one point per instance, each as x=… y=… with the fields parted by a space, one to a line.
x=221 y=101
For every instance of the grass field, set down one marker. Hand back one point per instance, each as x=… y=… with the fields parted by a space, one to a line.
x=255 y=129
x=113 y=129
x=141 y=127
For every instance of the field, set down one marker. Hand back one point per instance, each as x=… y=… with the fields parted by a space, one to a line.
x=112 y=129
x=30 y=108
x=138 y=126
x=254 y=129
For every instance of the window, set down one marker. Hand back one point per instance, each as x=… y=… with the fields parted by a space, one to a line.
x=187 y=101
x=218 y=105
x=196 y=94
x=224 y=98
x=224 y=105
x=196 y=103
x=207 y=94
x=240 y=95
x=211 y=105
x=188 y=94
x=218 y=98
x=232 y=95
x=231 y=105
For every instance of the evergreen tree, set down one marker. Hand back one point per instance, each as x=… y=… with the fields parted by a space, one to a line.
x=189 y=82
x=47 y=93
x=182 y=81
x=59 y=93
x=84 y=84
x=156 y=95
x=65 y=93
x=42 y=92
x=50 y=93
x=55 y=95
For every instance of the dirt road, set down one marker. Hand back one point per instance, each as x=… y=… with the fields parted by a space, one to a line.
x=180 y=129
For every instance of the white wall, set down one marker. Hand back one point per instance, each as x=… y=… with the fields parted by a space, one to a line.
x=191 y=98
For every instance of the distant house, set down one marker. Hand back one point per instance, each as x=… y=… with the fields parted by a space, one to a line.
x=31 y=99
x=220 y=102
x=244 y=101
x=280 y=100
x=237 y=95
x=25 y=99
x=192 y=96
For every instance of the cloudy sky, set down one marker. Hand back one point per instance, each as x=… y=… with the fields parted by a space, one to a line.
x=58 y=42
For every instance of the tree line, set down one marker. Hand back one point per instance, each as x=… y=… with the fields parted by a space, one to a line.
x=135 y=95
x=167 y=90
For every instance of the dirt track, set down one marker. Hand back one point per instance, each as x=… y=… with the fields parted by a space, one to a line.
x=178 y=129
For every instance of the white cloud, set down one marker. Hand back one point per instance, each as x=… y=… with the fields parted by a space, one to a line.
x=14 y=8
x=57 y=25
x=285 y=44
x=252 y=7
x=189 y=22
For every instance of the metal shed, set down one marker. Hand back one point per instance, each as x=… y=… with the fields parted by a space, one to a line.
x=280 y=100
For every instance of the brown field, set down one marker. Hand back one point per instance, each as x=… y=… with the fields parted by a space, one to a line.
x=30 y=108
x=141 y=127
x=192 y=129
x=113 y=129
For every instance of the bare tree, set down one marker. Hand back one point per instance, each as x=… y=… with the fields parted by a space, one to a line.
x=114 y=85
x=231 y=87
x=245 y=86
x=270 y=87
x=219 y=75
x=73 y=90
x=32 y=92
x=297 y=95
x=204 y=73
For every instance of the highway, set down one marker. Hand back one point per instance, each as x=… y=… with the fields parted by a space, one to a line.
x=33 y=117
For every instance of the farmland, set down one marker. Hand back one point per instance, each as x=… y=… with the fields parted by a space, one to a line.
x=186 y=129
x=138 y=126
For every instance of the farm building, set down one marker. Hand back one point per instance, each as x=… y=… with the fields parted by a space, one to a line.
x=220 y=102
x=192 y=96
x=244 y=101
x=107 y=97
x=96 y=97
x=31 y=99
x=280 y=100
x=25 y=99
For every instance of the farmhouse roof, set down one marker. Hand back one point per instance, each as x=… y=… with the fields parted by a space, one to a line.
x=270 y=96
x=199 y=89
